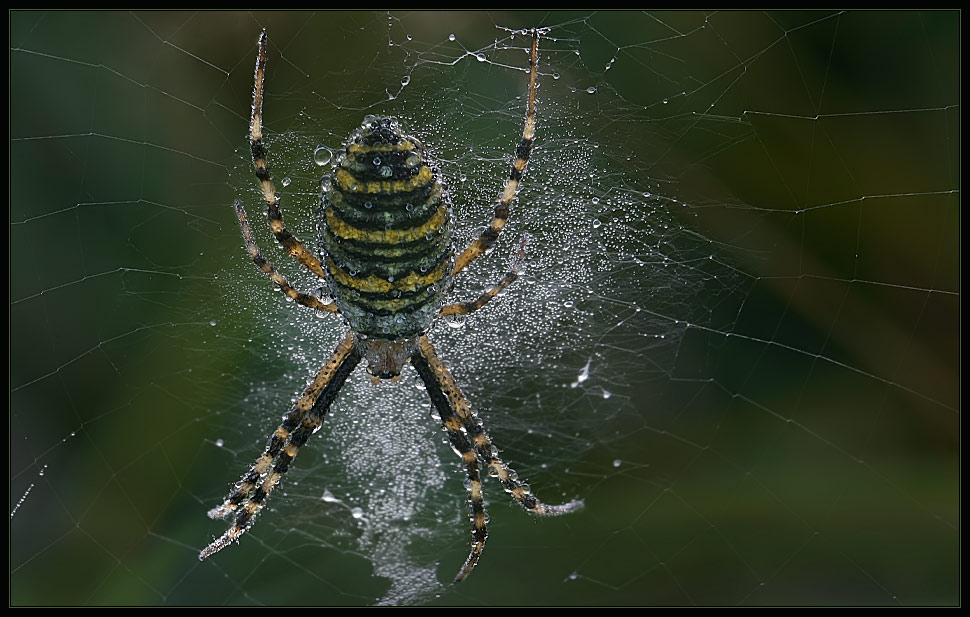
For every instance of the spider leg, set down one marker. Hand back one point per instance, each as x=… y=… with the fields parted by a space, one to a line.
x=297 y=296
x=250 y=493
x=452 y=404
x=289 y=242
x=464 y=308
x=459 y=441
x=490 y=235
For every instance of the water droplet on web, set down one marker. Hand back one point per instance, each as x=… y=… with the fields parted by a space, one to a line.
x=568 y=304
x=597 y=223
x=357 y=513
x=555 y=75
x=328 y=497
x=285 y=181
x=596 y=200
x=583 y=375
x=451 y=37
x=480 y=57
x=405 y=80
x=220 y=443
x=322 y=155
x=591 y=90
x=609 y=64
x=617 y=462
x=213 y=322
x=665 y=101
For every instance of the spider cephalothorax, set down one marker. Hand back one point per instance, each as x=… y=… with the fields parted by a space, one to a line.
x=386 y=238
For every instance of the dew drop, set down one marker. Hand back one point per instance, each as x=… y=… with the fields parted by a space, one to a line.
x=213 y=322
x=285 y=181
x=568 y=304
x=328 y=497
x=583 y=375
x=617 y=462
x=451 y=37
x=591 y=90
x=480 y=57
x=405 y=80
x=322 y=155
x=597 y=223
x=220 y=443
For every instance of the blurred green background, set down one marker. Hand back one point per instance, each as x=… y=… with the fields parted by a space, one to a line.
x=773 y=241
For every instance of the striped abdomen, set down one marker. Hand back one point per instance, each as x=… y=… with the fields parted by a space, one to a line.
x=386 y=233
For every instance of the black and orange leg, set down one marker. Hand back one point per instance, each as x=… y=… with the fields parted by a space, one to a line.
x=451 y=403
x=490 y=235
x=297 y=296
x=464 y=308
x=289 y=242
x=250 y=493
x=459 y=440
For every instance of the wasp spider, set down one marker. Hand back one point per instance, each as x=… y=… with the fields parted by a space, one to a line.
x=388 y=260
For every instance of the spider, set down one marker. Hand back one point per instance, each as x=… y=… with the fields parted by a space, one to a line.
x=388 y=261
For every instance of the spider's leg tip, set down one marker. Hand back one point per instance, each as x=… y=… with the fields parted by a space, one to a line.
x=218 y=512
x=565 y=508
x=573 y=505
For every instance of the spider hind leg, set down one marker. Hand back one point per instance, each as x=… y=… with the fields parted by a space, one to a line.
x=501 y=214
x=286 y=239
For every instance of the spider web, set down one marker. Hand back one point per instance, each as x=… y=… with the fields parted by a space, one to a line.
x=737 y=339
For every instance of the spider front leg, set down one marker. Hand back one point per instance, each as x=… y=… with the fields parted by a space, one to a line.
x=501 y=216
x=275 y=217
x=250 y=493
x=467 y=435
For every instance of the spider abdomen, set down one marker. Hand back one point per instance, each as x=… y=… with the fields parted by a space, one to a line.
x=386 y=233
